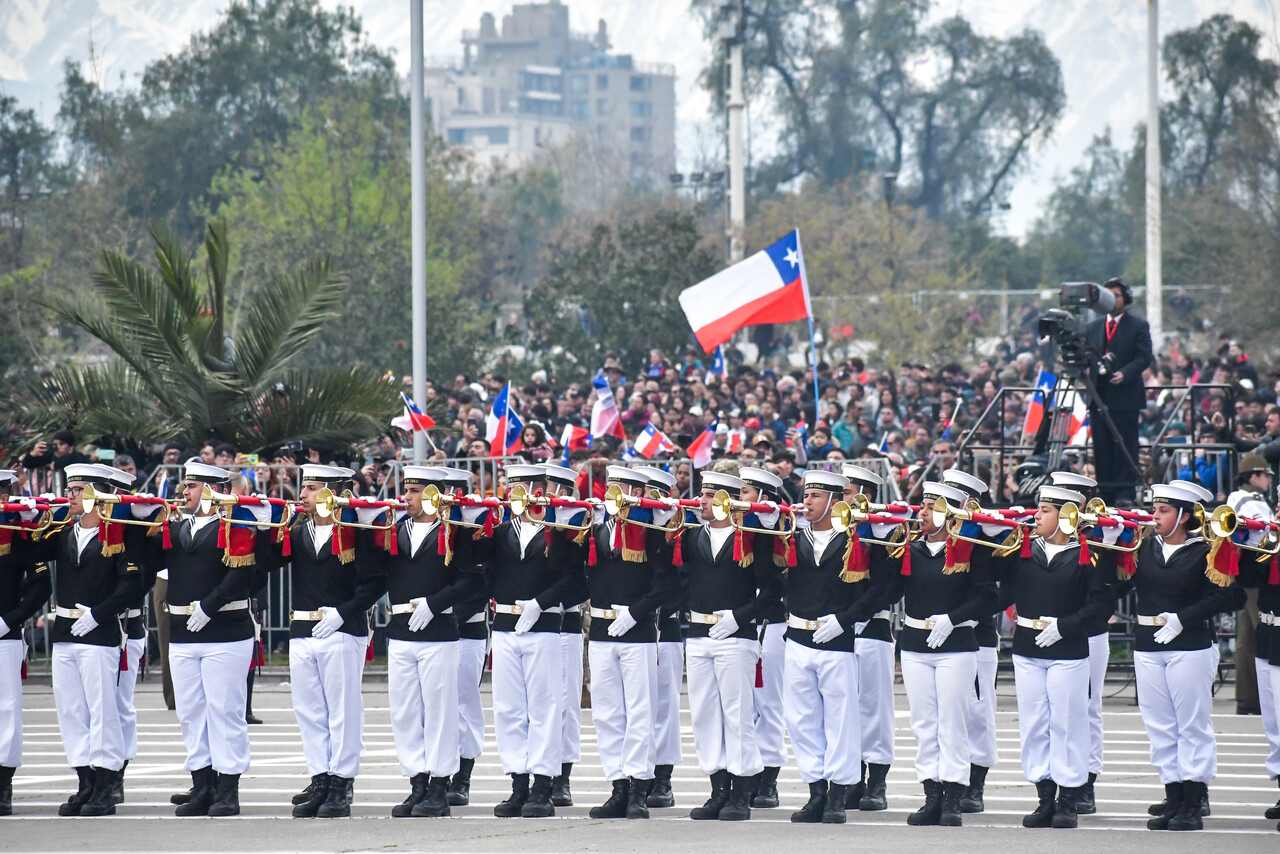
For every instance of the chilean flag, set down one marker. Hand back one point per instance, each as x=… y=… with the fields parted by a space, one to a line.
x=1079 y=430
x=718 y=370
x=413 y=418
x=768 y=287
x=605 y=420
x=652 y=442
x=1035 y=409
x=503 y=426
x=700 y=450
x=572 y=439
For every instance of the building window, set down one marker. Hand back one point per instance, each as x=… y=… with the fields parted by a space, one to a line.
x=639 y=134
x=639 y=83
x=641 y=109
x=498 y=135
x=580 y=110
x=579 y=84
x=602 y=106
x=602 y=82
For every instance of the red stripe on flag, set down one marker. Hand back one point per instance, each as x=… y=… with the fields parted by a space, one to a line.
x=780 y=306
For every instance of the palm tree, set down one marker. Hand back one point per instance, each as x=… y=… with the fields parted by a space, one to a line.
x=176 y=371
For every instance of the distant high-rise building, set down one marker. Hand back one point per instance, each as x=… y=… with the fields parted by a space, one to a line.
x=535 y=83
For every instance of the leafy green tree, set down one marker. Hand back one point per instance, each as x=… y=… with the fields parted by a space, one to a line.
x=181 y=368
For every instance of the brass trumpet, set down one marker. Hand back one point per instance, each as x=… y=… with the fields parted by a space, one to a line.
x=328 y=504
x=43 y=521
x=723 y=507
x=91 y=497
x=844 y=516
x=208 y=498
x=1072 y=516
x=1270 y=543
x=519 y=500
x=616 y=501
x=433 y=499
x=953 y=518
x=1220 y=524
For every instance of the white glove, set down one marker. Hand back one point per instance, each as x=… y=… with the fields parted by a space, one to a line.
x=144 y=511
x=198 y=619
x=1050 y=635
x=726 y=626
x=994 y=530
x=4 y=627
x=769 y=520
x=29 y=503
x=859 y=628
x=1171 y=629
x=421 y=615
x=829 y=629
x=662 y=518
x=622 y=623
x=1112 y=534
x=532 y=611
x=329 y=623
x=85 y=624
x=942 y=629
x=598 y=515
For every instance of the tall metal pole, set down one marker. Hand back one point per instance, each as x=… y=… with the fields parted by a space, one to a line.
x=737 y=155
x=1155 y=282
x=418 y=219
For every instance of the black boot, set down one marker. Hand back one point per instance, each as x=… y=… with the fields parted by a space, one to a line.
x=1064 y=813
x=1204 y=801
x=510 y=808
x=319 y=794
x=460 y=784
x=1042 y=815
x=931 y=812
x=710 y=810
x=874 y=799
x=72 y=807
x=950 y=815
x=417 y=791
x=1162 y=807
x=539 y=804
x=560 y=794
x=1188 y=815
x=738 y=807
x=203 y=784
x=300 y=798
x=834 y=811
x=435 y=804
x=1272 y=812
x=638 y=799
x=972 y=800
x=228 y=797
x=660 y=794
x=341 y=793
x=766 y=794
x=6 y=789
x=99 y=802
x=1085 y=804
x=811 y=812
x=1168 y=807
x=117 y=790
x=616 y=805
x=857 y=790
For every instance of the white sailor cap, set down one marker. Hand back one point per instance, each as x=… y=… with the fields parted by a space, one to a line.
x=456 y=476
x=561 y=475
x=828 y=481
x=204 y=473
x=762 y=479
x=525 y=474
x=328 y=475
x=1202 y=495
x=1060 y=495
x=861 y=474
x=88 y=473
x=963 y=480
x=955 y=496
x=658 y=479
x=7 y=476
x=721 y=480
x=421 y=475
x=121 y=478
x=1072 y=480
x=629 y=476
x=1176 y=493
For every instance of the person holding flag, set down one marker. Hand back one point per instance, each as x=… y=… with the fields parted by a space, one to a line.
x=652 y=442
x=605 y=418
x=503 y=427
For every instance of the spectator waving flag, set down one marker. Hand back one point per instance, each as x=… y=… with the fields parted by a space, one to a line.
x=884 y=441
x=718 y=371
x=503 y=427
x=651 y=442
x=700 y=450
x=768 y=287
x=572 y=439
x=414 y=419
x=605 y=420
x=1035 y=408
x=949 y=423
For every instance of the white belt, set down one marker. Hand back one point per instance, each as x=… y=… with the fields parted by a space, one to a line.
x=1038 y=624
x=306 y=616
x=132 y=612
x=517 y=610
x=704 y=619
x=604 y=614
x=409 y=608
x=1144 y=620
x=188 y=610
x=800 y=623
x=927 y=625
x=1267 y=618
x=68 y=613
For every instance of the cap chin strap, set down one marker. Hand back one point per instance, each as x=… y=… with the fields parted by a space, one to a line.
x=1178 y=521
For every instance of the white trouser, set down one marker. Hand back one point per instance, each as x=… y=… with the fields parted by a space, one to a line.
x=721 y=676
x=822 y=713
x=84 y=691
x=666 y=704
x=528 y=692
x=1099 y=654
x=1268 y=682
x=938 y=688
x=571 y=721
x=875 y=700
x=325 y=677
x=770 y=734
x=12 y=652
x=210 y=684
x=135 y=648
x=624 y=679
x=1175 y=697
x=1053 y=718
x=982 y=709
x=422 y=691
x=471 y=653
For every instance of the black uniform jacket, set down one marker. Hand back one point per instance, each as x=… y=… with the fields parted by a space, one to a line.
x=962 y=596
x=1179 y=586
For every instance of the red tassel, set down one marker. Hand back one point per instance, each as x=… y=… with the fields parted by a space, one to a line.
x=759 y=672
x=368 y=653
x=335 y=546
x=677 y=559
x=286 y=548
x=1084 y=549
x=591 y=548
x=906 y=559
x=124 y=660
x=737 y=545
x=442 y=544
x=1274 y=577
x=394 y=536
x=547 y=532
x=617 y=534
x=24 y=670
x=1128 y=564
x=488 y=524
x=791 y=552
x=164 y=533
x=1025 y=551
x=222 y=533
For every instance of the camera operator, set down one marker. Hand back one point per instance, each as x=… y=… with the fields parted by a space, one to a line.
x=1122 y=342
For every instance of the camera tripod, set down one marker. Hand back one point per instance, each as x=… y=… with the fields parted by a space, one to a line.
x=1054 y=434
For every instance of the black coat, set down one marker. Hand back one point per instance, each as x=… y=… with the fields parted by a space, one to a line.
x=717 y=582
x=962 y=596
x=25 y=585
x=1131 y=345
x=1179 y=586
x=105 y=584
x=1061 y=588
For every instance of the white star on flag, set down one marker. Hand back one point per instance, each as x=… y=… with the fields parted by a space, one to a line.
x=791 y=256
